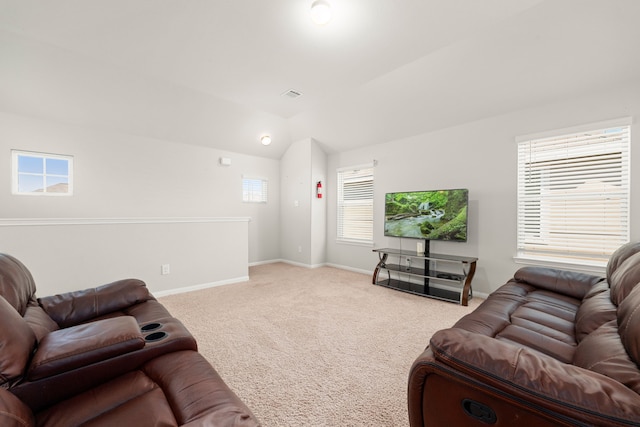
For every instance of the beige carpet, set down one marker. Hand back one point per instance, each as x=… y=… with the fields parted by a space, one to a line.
x=314 y=347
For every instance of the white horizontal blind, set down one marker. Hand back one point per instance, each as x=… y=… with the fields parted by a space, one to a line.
x=355 y=204
x=254 y=190
x=573 y=195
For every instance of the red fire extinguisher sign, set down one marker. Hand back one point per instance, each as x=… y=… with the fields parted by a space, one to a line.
x=319 y=189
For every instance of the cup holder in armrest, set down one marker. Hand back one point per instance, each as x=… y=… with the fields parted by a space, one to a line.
x=156 y=336
x=150 y=327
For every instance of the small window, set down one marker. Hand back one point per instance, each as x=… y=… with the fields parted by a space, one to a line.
x=41 y=174
x=355 y=204
x=573 y=195
x=254 y=190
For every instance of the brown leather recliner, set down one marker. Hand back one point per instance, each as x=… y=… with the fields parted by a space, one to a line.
x=548 y=348
x=102 y=356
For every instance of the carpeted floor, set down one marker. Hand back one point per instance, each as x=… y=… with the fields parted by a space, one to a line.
x=314 y=347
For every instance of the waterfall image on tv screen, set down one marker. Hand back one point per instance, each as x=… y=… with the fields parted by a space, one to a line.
x=430 y=215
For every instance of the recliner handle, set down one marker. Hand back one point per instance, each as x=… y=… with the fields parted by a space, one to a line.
x=479 y=411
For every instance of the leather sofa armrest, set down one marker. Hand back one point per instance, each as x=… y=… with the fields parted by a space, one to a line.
x=535 y=377
x=564 y=282
x=14 y=413
x=71 y=348
x=72 y=308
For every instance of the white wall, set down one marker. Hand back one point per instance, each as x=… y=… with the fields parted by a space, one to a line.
x=480 y=156
x=79 y=254
x=318 y=206
x=295 y=203
x=125 y=176
x=303 y=216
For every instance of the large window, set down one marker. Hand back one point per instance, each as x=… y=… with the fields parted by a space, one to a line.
x=355 y=204
x=41 y=174
x=573 y=195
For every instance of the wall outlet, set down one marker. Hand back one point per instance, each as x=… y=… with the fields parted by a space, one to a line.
x=299 y=249
x=166 y=269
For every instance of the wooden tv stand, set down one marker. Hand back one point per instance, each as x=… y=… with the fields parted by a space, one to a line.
x=423 y=274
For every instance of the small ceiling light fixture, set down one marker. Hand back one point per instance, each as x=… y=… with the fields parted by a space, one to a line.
x=265 y=139
x=320 y=12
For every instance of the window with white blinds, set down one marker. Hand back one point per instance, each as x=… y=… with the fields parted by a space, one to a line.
x=573 y=196
x=355 y=204
x=254 y=190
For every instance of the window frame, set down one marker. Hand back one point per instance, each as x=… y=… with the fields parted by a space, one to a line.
x=366 y=203
x=16 y=173
x=262 y=193
x=596 y=162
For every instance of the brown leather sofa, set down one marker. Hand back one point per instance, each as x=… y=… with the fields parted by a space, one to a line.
x=103 y=356
x=548 y=348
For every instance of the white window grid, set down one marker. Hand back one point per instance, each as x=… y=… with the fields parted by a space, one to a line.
x=47 y=180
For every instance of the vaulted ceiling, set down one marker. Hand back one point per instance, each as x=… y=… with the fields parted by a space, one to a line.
x=212 y=72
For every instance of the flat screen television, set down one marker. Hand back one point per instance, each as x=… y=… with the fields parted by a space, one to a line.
x=428 y=215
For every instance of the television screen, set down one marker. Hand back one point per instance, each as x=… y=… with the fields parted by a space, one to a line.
x=429 y=215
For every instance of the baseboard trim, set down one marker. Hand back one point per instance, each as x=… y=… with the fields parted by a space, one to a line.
x=175 y=291
x=299 y=264
x=344 y=267
x=286 y=261
x=269 y=261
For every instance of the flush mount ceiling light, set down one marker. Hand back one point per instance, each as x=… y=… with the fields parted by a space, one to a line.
x=320 y=12
x=265 y=140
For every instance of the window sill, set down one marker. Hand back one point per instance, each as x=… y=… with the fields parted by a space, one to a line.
x=354 y=242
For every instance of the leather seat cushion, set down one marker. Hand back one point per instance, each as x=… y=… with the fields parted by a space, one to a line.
x=603 y=352
x=171 y=390
x=528 y=316
x=132 y=399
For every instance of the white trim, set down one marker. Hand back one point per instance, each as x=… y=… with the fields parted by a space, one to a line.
x=299 y=264
x=175 y=291
x=18 y=222
x=269 y=261
x=355 y=270
x=622 y=121
x=365 y=243
x=356 y=167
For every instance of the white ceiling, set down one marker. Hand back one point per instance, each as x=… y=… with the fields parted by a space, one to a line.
x=211 y=72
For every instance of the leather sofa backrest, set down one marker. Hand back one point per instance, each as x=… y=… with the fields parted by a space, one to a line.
x=620 y=255
x=629 y=324
x=596 y=310
x=16 y=283
x=571 y=283
x=17 y=341
x=625 y=278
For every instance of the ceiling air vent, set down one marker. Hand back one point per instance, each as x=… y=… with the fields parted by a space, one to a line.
x=292 y=94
